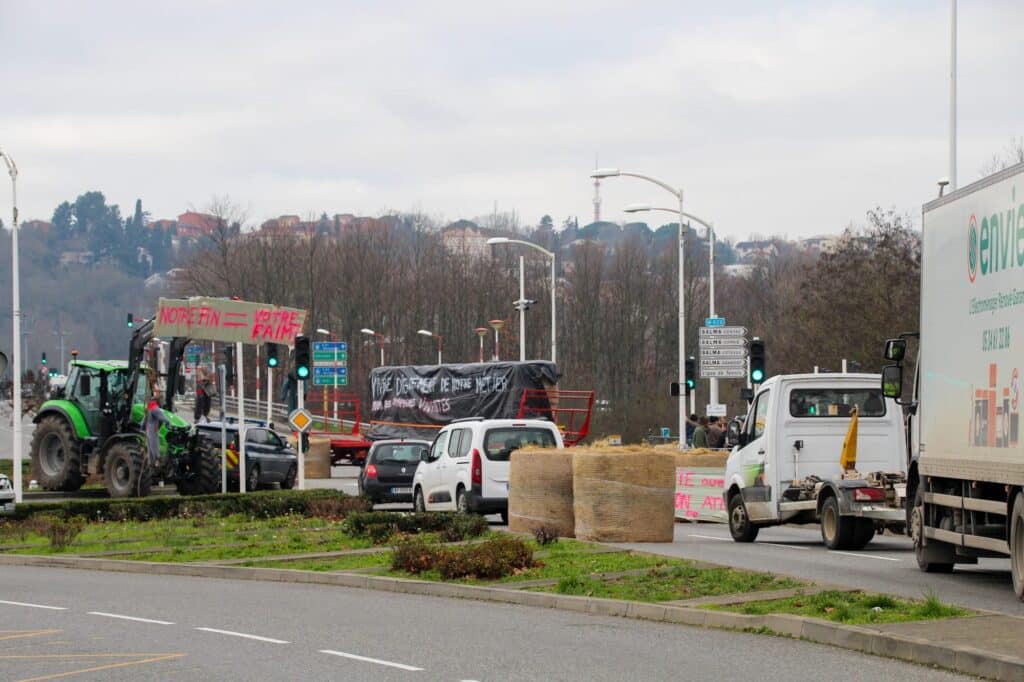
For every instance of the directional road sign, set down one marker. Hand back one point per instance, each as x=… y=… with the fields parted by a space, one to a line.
x=330 y=357
x=723 y=331
x=731 y=341
x=723 y=362
x=723 y=372
x=329 y=346
x=714 y=321
x=728 y=352
x=300 y=420
x=335 y=380
x=330 y=371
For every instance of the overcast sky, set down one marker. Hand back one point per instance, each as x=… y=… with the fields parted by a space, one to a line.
x=775 y=117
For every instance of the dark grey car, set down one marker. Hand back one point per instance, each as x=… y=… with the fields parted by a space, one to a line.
x=269 y=458
x=389 y=468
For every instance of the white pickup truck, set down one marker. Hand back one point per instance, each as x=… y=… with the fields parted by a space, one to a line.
x=786 y=467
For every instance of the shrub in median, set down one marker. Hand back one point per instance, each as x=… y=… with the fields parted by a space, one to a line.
x=488 y=560
x=381 y=526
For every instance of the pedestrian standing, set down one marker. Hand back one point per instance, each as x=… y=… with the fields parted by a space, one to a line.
x=691 y=424
x=155 y=417
x=716 y=434
x=700 y=434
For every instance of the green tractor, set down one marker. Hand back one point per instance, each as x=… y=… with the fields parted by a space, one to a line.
x=96 y=426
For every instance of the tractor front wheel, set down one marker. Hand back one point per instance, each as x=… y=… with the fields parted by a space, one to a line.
x=125 y=473
x=202 y=477
x=56 y=455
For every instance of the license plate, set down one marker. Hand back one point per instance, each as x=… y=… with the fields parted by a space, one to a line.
x=401 y=491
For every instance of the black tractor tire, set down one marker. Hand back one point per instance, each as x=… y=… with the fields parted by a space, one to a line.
x=740 y=527
x=125 y=470
x=57 y=455
x=252 y=479
x=203 y=476
x=837 y=531
x=288 y=482
x=863 y=533
x=936 y=557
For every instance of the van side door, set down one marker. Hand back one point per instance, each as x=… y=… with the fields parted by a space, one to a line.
x=754 y=460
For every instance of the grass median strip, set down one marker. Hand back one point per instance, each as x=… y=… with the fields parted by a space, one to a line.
x=851 y=608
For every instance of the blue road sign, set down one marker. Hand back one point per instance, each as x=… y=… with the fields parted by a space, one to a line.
x=714 y=321
x=666 y=432
x=330 y=371
x=329 y=346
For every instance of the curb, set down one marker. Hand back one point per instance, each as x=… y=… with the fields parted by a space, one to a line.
x=961 y=659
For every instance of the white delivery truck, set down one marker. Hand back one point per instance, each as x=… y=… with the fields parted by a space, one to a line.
x=967 y=450
x=800 y=452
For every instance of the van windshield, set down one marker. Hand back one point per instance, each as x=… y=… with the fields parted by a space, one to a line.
x=499 y=443
x=836 y=402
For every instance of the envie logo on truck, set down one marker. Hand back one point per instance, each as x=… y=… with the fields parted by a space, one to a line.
x=998 y=242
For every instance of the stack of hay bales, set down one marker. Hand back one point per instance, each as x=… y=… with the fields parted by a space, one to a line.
x=540 y=491
x=624 y=494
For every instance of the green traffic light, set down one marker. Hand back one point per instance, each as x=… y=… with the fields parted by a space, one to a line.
x=757 y=375
x=271 y=362
x=302 y=372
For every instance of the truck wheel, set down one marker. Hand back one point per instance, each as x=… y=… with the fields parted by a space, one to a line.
x=740 y=527
x=56 y=455
x=936 y=557
x=863 y=532
x=837 y=530
x=1017 y=546
x=203 y=475
x=123 y=472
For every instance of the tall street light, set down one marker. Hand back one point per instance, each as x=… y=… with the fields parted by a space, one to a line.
x=496 y=325
x=638 y=208
x=380 y=340
x=12 y=169
x=424 y=332
x=678 y=194
x=549 y=254
x=482 y=333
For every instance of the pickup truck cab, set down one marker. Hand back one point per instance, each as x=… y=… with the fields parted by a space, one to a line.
x=786 y=467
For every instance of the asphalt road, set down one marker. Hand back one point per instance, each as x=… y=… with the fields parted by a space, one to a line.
x=60 y=622
x=887 y=564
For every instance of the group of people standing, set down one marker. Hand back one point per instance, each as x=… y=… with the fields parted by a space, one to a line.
x=707 y=432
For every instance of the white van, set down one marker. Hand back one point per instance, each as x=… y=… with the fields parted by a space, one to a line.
x=466 y=468
x=786 y=468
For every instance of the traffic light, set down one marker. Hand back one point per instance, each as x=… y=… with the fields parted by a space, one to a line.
x=44 y=359
x=302 y=357
x=757 y=370
x=272 y=360
x=229 y=364
x=691 y=375
x=130 y=321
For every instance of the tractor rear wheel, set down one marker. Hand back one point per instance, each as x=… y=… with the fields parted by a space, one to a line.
x=125 y=473
x=202 y=477
x=56 y=455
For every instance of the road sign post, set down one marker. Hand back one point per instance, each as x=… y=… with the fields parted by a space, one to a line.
x=723 y=351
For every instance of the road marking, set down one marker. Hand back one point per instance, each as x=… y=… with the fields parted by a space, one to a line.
x=157 y=658
x=242 y=634
x=780 y=544
x=709 y=537
x=34 y=606
x=19 y=634
x=378 y=661
x=135 y=618
x=865 y=556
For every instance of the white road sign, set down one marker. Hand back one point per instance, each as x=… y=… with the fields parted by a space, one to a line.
x=723 y=352
x=723 y=331
x=733 y=341
x=723 y=372
x=723 y=362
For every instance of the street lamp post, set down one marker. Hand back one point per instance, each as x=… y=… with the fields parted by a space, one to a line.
x=424 y=332
x=550 y=254
x=496 y=325
x=482 y=333
x=678 y=194
x=709 y=226
x=12 y=170
x=380 y=340
x=61 y=334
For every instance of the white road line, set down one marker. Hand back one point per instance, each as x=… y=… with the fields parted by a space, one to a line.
x=865 y=556
x=378 y=661
x=34 y=606
x=135 y=618
x=708 y=537
x=780 y=544
x=247 y=636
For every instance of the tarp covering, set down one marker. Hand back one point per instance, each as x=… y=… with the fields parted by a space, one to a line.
x=414 y=401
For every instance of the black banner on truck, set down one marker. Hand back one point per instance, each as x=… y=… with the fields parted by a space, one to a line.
x=414 y=401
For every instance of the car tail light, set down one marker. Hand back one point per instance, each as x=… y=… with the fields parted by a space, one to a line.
x=868 y=494
x=371 y=471
x=476 y=469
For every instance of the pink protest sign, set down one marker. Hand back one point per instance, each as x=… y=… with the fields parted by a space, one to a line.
x=221 y=319
x=699 y=494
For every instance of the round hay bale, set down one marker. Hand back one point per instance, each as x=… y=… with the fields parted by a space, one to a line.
x=624 y=495
x=540 y=491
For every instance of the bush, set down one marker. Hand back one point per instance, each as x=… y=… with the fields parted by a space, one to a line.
x=337 y=509
x=489 y=560
x=464 y=526
x=381 y=526
x=545 y=535
x=413 y=555
x=62 y=532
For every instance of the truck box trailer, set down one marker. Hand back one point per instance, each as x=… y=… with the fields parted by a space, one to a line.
x=967 y=453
